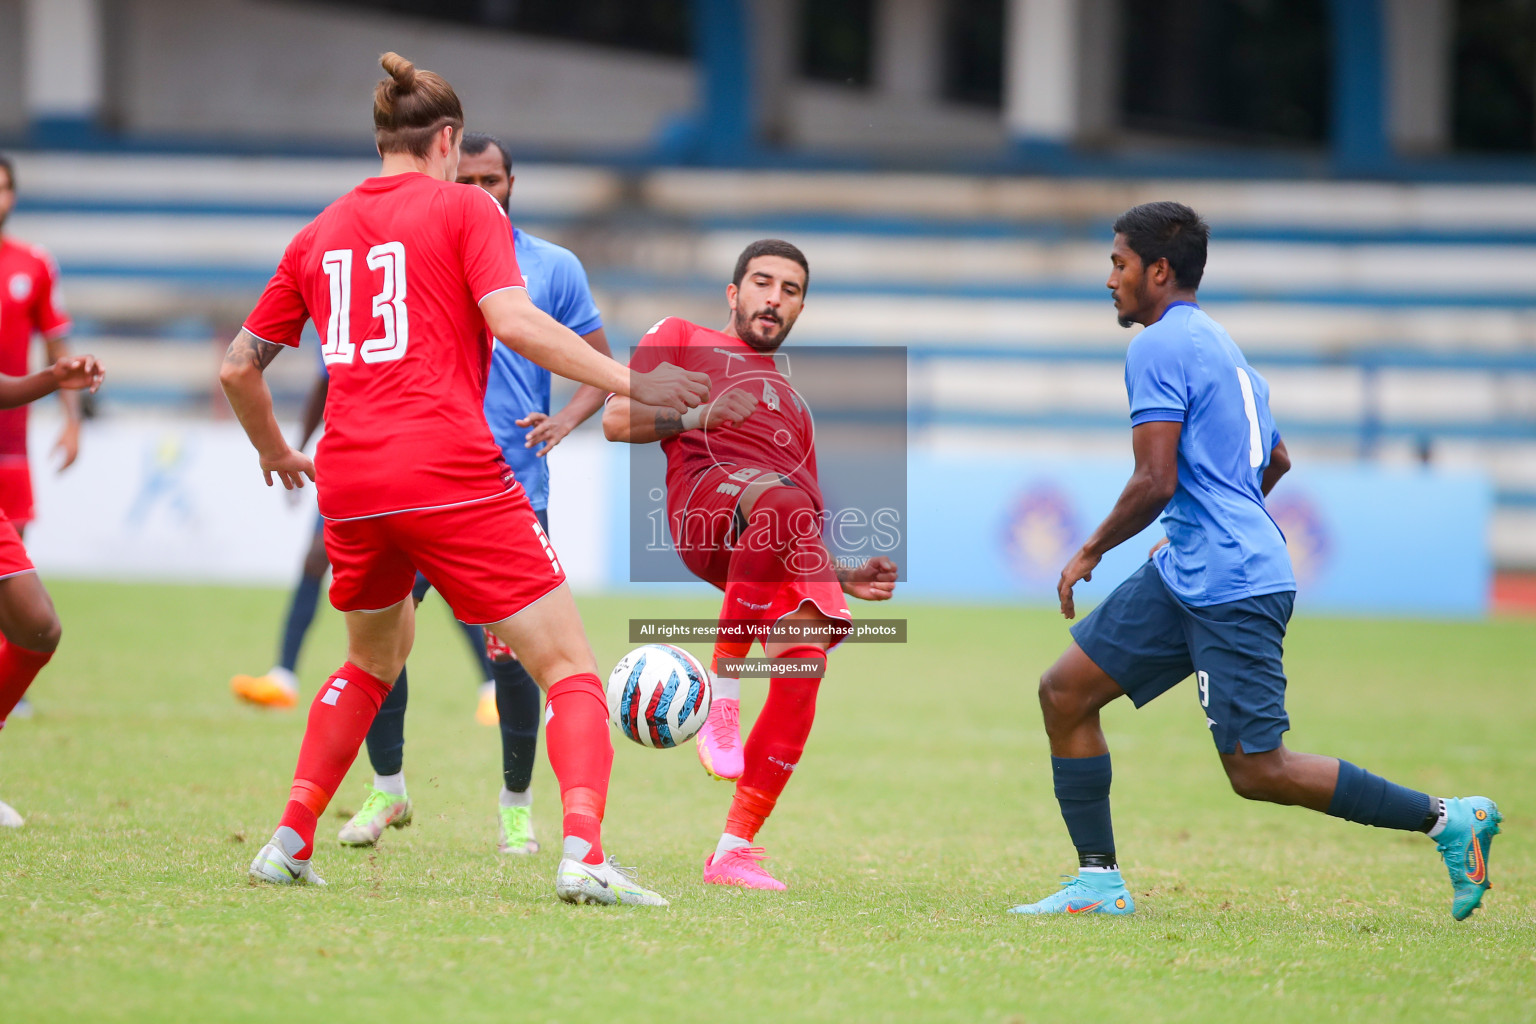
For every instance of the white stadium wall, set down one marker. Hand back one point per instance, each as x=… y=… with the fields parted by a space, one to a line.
x=182 y=500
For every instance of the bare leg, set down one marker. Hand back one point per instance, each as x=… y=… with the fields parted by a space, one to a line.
x=549 y=638
x=379 y=642
x=1282 y=776
x=27 y=616
x=1072 y=692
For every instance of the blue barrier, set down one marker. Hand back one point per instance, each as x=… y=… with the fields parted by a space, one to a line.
x=1363 y=539
x=988 y=529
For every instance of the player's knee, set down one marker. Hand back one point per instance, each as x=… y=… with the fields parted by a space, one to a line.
x=1256 y=780
x=787 y=513
x=1060 y=702
x=39 y=631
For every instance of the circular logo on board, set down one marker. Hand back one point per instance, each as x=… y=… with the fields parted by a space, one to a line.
x=1307 y=536
x=1040 y=532
x=21 y=287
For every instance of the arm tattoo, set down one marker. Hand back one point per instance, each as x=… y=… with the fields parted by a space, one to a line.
x=248 y=350
x=668 y=423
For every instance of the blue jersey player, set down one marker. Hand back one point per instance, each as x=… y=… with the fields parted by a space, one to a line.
x=517 y=407
x=1214 y=599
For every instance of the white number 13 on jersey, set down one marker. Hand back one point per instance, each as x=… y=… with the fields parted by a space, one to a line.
x=388 y=306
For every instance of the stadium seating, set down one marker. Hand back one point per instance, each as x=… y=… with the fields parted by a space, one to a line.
x=1395 y=321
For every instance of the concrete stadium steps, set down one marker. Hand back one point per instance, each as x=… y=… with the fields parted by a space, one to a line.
x=1381 y=313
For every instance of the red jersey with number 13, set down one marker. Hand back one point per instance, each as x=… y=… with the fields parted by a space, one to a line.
x=393 y=273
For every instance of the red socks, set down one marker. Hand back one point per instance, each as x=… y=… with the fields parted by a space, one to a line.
x=18 y=667
x=339 y=719
x=774 y=746
x=580 y=751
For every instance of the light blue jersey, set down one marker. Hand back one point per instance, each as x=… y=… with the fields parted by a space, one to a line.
x=1222 y=544
x=557 y=284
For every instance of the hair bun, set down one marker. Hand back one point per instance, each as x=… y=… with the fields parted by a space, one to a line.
x=400 y=69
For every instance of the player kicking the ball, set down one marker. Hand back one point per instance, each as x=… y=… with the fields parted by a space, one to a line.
x=1215 y=599
x=403 y=275
x=745 y=512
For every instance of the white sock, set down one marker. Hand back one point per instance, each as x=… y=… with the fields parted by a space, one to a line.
x=511 y=799
x=729 y=842
x=284 y=677
x=726 y=688
x=1097 y=871
x=394 y=784
x=1439 y=825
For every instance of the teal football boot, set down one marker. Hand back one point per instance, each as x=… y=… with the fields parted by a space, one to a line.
x=1094 y=893
x=1470 y=825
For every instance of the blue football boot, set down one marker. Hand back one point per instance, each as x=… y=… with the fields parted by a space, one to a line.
x=1470 y=825
x=1097 y=892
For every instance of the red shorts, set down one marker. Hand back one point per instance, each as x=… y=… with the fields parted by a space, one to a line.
x=13 y=554
x=16 y=491
x=704 y=529
x=489 y=559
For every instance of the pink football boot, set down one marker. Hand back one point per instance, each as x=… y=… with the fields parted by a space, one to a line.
x=719 y=742
x=741 y=866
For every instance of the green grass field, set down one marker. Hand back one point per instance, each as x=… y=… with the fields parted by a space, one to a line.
x=921 y=810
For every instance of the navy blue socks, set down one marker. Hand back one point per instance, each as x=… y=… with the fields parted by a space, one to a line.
x=518 y=703
x=301 y=612
x=1082 y=790
x=386 y=736
x=1372 y=800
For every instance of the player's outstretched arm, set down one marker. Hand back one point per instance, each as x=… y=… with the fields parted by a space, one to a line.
x=1146 y=494
x=244 y=385
x=637 y=423
x=72 y=373
x=534 y=334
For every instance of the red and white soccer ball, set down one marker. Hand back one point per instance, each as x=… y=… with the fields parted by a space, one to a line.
x=658 y=695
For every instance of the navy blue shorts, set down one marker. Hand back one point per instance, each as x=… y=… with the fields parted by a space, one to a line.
x=1147 y=641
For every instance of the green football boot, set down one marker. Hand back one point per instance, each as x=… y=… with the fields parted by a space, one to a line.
x=380 y=810
x=1470 y=824
x=516 y=831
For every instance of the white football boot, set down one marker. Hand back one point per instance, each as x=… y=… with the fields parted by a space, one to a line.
x=274 y=864
x=607 y=883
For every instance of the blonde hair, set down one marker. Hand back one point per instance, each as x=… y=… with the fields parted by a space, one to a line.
x=411 y=106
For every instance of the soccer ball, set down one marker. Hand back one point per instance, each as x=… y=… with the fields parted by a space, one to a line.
x=658 y=695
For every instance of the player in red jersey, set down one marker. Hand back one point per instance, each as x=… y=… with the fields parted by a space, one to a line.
x=403 y=275
x=745 y=512
x=29 y=304
x=28 y=622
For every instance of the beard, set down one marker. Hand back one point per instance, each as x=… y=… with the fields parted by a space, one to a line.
x=746 y=329
x=1139 y=296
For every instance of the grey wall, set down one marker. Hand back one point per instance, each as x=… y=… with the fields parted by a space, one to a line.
x=292 y=70
x=12 y=114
